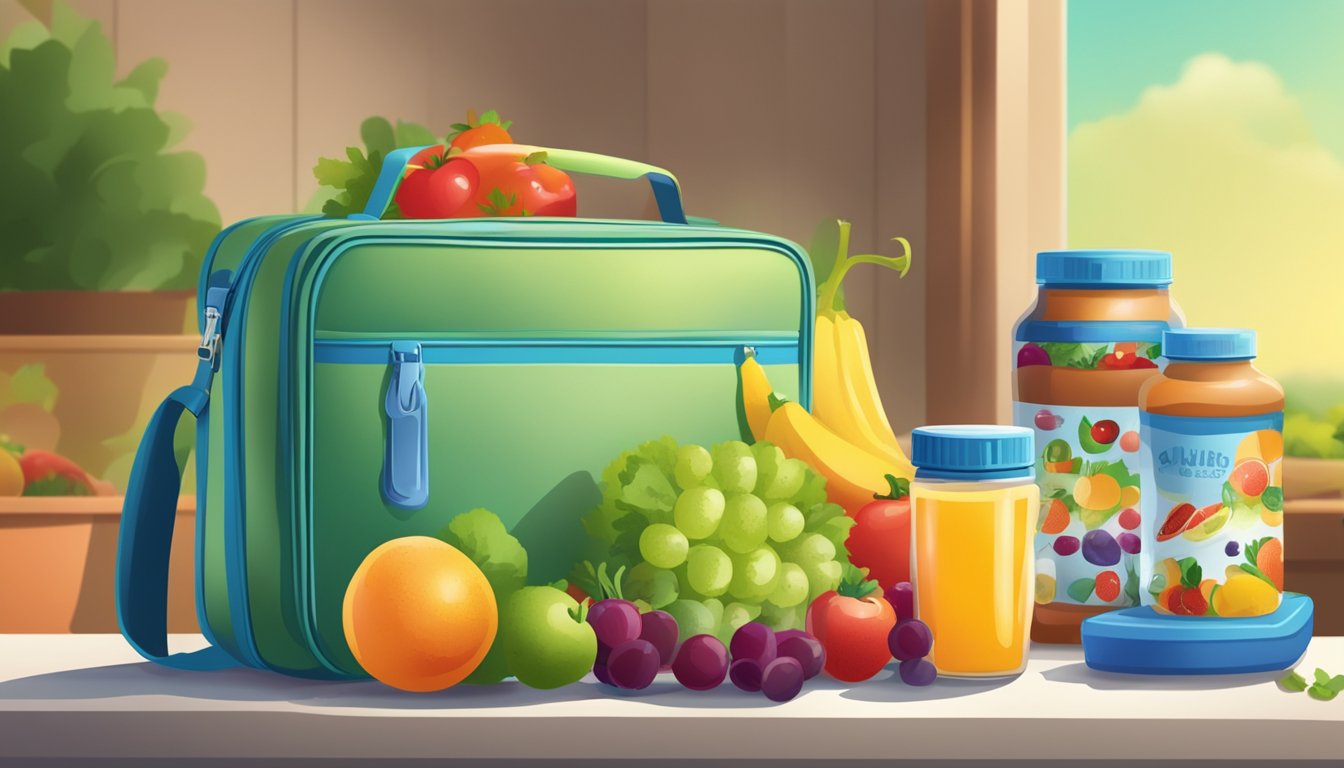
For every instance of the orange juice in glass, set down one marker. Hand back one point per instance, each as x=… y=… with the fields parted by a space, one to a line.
x=974 y=509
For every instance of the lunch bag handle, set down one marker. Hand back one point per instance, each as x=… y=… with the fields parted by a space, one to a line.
x=148 y=516
x=666 y=190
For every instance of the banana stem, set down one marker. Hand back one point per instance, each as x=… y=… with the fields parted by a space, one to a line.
x=844 y=261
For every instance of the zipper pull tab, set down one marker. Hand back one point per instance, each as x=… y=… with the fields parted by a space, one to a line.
x=405 y=477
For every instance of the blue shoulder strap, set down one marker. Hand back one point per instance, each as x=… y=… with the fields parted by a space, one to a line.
x=147 y=520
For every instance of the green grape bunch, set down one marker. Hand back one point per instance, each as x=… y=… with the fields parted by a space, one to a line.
x=719 y=536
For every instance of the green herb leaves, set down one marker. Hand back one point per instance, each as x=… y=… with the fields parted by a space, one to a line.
x=1323 y=687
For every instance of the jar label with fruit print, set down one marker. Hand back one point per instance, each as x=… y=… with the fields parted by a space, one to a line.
x=1213 y=521
x=1088 y=538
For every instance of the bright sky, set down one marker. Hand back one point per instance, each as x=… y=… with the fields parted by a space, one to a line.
x=1215 y=129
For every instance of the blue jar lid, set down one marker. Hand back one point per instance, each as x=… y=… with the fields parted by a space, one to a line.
x=1209 y=344
x=973 y=451
x=1114 y=267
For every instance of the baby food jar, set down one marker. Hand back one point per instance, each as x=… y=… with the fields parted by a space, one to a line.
x=1213 y=479
x=1083 y=351
x=973 y=514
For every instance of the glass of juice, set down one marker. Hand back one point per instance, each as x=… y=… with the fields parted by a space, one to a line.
x=974 y=507
x=1212 y=433
x=1083 y=351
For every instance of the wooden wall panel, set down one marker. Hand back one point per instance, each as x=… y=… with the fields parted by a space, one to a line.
x=569 y=74
x=355 y=59
x=829 y=130
x=897 y=336
x=718 y=108
x=775 y=114
x=230 y=71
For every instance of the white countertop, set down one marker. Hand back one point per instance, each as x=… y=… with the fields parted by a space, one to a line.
x=78 y=696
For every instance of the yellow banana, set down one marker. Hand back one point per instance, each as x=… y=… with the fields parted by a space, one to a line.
x=860 y=387
x=844 y=390
x=755 y=395
x=853 y=476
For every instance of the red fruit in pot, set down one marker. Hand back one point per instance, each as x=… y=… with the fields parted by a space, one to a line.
x=436 y=186
x=852 y=625
x=50 y=474
x=880 y=538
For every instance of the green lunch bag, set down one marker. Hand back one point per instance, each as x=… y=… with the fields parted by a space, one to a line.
x=361 y=380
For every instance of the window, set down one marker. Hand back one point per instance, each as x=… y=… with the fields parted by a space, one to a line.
x=1215 y=129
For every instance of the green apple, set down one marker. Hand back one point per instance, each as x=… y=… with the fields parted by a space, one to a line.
x=547 y=639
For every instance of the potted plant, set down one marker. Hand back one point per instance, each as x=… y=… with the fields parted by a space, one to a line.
x=102 y=230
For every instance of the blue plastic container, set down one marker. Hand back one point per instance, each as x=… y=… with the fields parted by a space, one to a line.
x=1142 y=641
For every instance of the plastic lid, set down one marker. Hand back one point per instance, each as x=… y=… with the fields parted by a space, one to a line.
x=973 y=449
x=1209 y=344
x=1113 y=267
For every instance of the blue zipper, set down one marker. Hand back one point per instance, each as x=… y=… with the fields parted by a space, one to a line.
x=405 y=474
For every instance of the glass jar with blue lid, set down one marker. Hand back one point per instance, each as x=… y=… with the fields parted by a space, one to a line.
x=973 y=506
x=1081 y=353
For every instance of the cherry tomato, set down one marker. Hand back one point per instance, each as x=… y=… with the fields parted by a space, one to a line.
x=852 y=624
x=1105 y=431
x=880 y=538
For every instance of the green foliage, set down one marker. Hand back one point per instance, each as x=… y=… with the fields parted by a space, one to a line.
x=481 y=536
x=92 y=199
x=346 y=184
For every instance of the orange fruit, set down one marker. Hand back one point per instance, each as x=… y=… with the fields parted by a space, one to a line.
x=1056 y=517
x=1270 y=561
x=419 y=615
x=1249 y=477
x=11 y=474
x=1096 y=492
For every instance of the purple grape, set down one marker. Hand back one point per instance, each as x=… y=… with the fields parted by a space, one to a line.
x=909 y=639
x=660 y=629
x=1032 y=354
x=782 y=679
x=603 y=653
x=753 y=640
x=746 y=674
x=615 y=621
x=1232 y=549
x=633 y=664
x=600 y=672
x=701 y=663
x=918 y=672
x=806 y=650
x=1064 y=545
x=901 y=595
x=1100 y=548
x=785 y=634
x=1130 y=543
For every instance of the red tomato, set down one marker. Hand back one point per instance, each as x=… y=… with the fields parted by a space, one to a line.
x=437 y=187
x=51 y=474
x=880 y=538
x=517 y=185
x=852 y=625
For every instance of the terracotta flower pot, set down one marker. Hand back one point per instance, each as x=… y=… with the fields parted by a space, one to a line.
x=57 y=565
x=106 y=389
x=95 y=312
